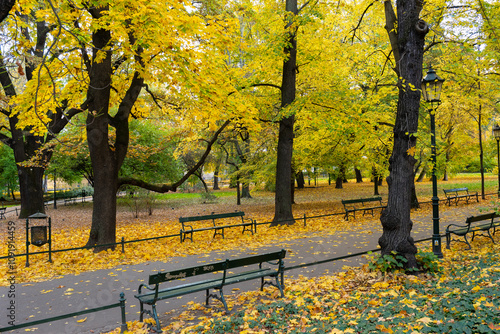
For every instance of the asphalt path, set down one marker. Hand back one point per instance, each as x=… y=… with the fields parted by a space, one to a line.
x=73 y=293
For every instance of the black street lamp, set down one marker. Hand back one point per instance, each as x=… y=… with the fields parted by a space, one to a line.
x=431 y=91
x=496 y=133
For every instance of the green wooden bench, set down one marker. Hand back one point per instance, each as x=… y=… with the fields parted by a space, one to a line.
x=481 y=224
x=260 y=266
x=361 y=204
x=187 y=230
x=457 y=194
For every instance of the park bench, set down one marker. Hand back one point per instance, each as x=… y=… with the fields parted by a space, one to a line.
x=367 y=205
x=474 y=224
x=457 y=194
x=2 y=213
x=187 y=230
x=269 y=265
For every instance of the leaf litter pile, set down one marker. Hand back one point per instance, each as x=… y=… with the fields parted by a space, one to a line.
x=463 y=297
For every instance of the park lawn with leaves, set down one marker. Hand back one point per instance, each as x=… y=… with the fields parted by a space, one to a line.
x=463 y=297
x=69 y=232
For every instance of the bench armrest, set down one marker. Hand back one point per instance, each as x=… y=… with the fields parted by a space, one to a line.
x=462 y=226
x=147 y=287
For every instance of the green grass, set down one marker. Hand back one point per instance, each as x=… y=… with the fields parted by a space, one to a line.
x=179 y=195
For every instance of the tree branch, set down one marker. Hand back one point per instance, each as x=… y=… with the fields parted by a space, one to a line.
x=359 y=22
x=163 y=188
x=391 y=27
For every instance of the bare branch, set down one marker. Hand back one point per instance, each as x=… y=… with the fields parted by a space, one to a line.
x=163 y=188
x=359 y=22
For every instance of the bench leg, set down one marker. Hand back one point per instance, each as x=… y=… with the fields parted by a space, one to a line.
x=467 y=242
x=155 y=316
x=220 y=297
x=448 y=240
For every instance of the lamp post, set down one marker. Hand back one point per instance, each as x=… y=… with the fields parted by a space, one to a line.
x=496 y=133
x=431 y=90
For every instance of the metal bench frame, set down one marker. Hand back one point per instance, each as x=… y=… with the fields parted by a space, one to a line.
x=186 y=232
x=274 y=270
x=457 y=194
x=350 y=206
x=481 y=224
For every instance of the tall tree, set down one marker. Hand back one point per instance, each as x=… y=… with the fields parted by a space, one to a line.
x=29 y=143
x=283 y=198
x=407 y=37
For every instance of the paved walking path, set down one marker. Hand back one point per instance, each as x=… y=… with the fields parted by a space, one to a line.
x=73 y=293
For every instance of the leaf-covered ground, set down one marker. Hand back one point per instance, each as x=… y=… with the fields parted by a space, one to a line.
x=464 y=297
x=71 y=225
x=464 y=294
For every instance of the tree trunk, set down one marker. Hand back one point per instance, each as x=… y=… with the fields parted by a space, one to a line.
x=339 y=182
x=300 y=180
x=31 y=190
x=216 y=177
x=481 y=153
x=359 y=177
x=408 y=42
x=283 y=196
x=238 y=194
x=422 y=174
x=447 y=157
x=104 y=164
x=245 y=190
x=5 y=7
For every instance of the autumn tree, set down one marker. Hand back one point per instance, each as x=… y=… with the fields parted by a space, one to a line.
x=104 y=59
x=18 y=73
x=406 y=32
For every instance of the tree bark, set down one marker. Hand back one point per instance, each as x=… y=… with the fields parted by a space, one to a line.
x=409 y=43
x=104 y=162
x=481 y=152
x=300 y=180
x=216 y=177
x=5 y=7
x=283 y=196
x=359 y=177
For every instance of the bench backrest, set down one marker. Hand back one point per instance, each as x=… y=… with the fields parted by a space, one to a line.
x=236 y=263
x=486 y=216
x=361 y=200
x=187 y=272
x=162 y=277
x=455 y=190
x=211 y=216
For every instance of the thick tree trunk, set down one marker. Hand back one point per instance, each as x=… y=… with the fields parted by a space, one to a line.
x=409 y=44
x=339 y=182
x=359 y=177
x=283 y=197
x=104 y=164
x=300 y=180
x=31 y=190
